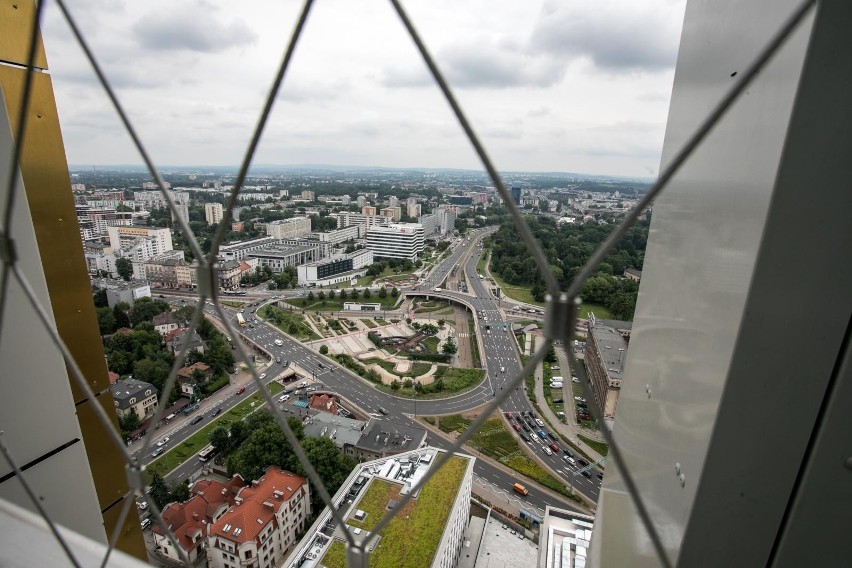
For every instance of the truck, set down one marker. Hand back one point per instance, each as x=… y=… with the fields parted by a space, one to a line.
x=520 y=489
x=240 y=319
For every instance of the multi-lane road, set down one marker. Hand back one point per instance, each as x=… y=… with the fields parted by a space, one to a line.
x=499 y=356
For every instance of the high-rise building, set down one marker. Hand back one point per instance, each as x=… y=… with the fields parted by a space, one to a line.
x=516 y=194
x=413 y=209
x=124 y=237
x=213 y=213
x=368 y=210
x=181 y=211
x=393 y=201
x=402 y=240
x=392 y=212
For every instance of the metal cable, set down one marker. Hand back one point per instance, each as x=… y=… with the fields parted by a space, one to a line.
x=692 y=143
x=125 y=120
x=258 y=131
x=520 y=224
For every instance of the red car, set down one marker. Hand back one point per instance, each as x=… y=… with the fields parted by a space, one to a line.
x=516 y=427
x=241 y=390
x=555 y=448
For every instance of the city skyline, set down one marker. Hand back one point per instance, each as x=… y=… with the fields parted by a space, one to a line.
x=550 y=88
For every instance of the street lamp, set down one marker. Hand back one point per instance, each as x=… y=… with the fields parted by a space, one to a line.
x=416 y=384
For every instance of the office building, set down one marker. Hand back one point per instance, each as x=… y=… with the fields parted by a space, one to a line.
x=279 y=256
x=213 y=213
x=516 y=194
x=564 y=538
x=606 y=355
x=376 y=486
x=348 y=219
x=340 y=235
x=240 y=250
x=403 y=240
x=288 y=228
x=340 y=268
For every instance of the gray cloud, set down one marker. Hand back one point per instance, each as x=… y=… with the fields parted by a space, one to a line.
x=483 y=64
x=614 y=35
x=191 y=30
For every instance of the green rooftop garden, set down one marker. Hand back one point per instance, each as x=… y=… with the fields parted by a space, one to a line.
x=424 y=516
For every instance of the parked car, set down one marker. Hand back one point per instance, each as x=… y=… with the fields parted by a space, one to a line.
x=198 y=418
x=145 y=524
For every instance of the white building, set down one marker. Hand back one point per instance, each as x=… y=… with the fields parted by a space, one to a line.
x=123 y=237
x=181 y=211
x=341 y=268
x=399 y=475
x=127 y=292
x=401 y=240
x=564 y=538
x=288 y=228
x=413 y=210
x=348 y=219
x=262 y=524
x=213 y=213
x=239 y=250
x=340 y=235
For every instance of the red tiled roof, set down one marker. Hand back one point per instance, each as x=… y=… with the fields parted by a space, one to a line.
x=187 y=371
x=324 y=403
x=257 y=503
x=170 y=336
x=113 y=377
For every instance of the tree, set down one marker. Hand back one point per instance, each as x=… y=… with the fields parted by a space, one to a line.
x=180 y=492
x=383 y=292
x=331 y=294
x=106 y=320
x=395 y=384
x=321 y=295
x=310 y=296
x=441 y=322
x=124 y=267
x=219 y=439
x=144 y=309
x=343 y=294
x=323 y=349
x=129 y=422
x=100 y=298
x=449 y=347
x=119 y=312
x=159 y=491
x=394 y=293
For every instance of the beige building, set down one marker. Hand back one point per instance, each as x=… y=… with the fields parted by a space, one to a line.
x=394 y=213
x=213 y=213
x=263 y=523
x=131 y=395
x=414 y=210
x=368 y=210
x=288 y=228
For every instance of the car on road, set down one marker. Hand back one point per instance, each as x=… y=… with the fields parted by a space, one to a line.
x=320 y=365
x=554 y=447
x=547 y=450
x=575 y=380
x=569 y=459
x=262 y=376
x=142 y=505
x=157 y=452
x=279 y=343
x=197 y=419
x=583 y=462
x=516 y=427
x=163 y=442
x=216 y=411
x=284 y=397
x=241 y=390
x=383 y=410
x=145 y=524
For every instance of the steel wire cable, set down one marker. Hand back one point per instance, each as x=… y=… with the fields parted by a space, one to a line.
x=207 y=265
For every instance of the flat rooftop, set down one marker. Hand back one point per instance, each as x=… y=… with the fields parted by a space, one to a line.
x=372 y=490
x=612 y=348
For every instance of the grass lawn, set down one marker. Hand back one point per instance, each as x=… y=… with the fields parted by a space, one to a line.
x=430 y=306
x=455 y=380
x=474 y=345
x=374 y=503
x=599 y=447
x=232 y=304
x=424 y=517
x=368 y=323
x=292 y=323
x=336 y=555
x=497 y=442
x=192 y=445
x=431 y=344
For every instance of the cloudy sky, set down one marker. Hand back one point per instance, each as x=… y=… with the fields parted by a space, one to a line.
x=570 y=85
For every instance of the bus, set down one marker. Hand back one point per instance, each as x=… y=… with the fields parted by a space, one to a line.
x=240 y=319
x=206 y=453
x=234 y=293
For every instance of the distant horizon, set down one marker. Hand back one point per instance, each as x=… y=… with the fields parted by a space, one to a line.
x=342 y=168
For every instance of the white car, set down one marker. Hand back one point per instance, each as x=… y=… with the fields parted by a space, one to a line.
x=262 y=376
x=279 y=343
x=163 y=442
x=284 y=397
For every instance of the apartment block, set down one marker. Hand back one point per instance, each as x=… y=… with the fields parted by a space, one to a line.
x=394 y=213
x=288 y=228
x=213 y=213
x=403 y=240
x=123 y=237
x=262 y=524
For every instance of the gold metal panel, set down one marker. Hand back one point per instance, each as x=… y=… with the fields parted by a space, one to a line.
x=131 y=540
x=16 y=18
x=46 y=180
